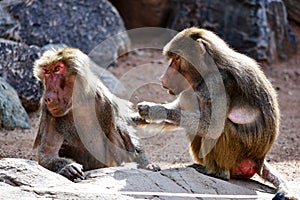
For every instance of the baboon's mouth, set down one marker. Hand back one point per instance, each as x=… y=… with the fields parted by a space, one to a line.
x=171 y=92
x=55 y=110
x=58 y=112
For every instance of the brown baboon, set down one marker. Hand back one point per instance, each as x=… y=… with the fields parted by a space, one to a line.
x=67 y=146
x=231 y=139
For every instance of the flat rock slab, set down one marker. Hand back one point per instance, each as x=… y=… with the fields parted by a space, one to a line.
x=25 y=179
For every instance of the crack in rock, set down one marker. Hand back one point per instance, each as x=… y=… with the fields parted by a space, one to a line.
x=175 y=181
x=11 y=181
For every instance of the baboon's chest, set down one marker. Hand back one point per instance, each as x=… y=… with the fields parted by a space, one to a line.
x=67 y=127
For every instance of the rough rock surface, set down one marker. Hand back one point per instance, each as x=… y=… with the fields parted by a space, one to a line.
x=282 y=41
x=80 y=24
x=293 y=9
x=257 y=28
x=16 y=61
x=6 y=21
x=12 y=113
x=20 y=178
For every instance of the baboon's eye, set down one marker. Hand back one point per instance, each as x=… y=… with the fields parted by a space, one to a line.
x=56 y=69
x=59 y=68
x=46 y=71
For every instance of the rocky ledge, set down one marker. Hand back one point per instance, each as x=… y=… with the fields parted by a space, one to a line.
x=25 y=179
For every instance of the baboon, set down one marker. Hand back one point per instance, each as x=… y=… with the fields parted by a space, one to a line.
x=225 y=102
x=83 y=126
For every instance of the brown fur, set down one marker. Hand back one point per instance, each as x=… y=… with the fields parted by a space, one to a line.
x=247 y=85
x=60 y=147
x=246 y=88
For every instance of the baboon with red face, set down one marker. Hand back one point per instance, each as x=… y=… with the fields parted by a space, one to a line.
x=102 y=136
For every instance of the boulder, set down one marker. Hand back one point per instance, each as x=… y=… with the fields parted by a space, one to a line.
x=20 y=178
x=80 y=24
x=6 y=21
x=282 y=41
x=53 y=47
x=293 y=9
x=12 y=113
x=16 y=61
x=257 y=28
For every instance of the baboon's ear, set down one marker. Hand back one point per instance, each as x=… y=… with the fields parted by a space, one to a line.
x=202 y=45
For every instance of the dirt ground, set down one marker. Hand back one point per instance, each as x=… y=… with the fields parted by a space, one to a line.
x=140 y=70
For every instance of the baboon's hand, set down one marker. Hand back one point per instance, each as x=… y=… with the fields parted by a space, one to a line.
x=138 y=120
x=153 y=167
x=72 y=171
x=284 y=194
x=152 y=112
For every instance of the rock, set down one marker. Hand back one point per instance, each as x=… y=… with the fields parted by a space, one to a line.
x=12 y=113
x=6 y=22
x=282 y=41
x=80 y=24
x=16 y=62
x=20 y=178
x=143 y=13
x=53 y=47
x=293 y=9
x=257 y=28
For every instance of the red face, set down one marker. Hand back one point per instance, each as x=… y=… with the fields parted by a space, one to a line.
x=58 y=89
x=174 y=80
